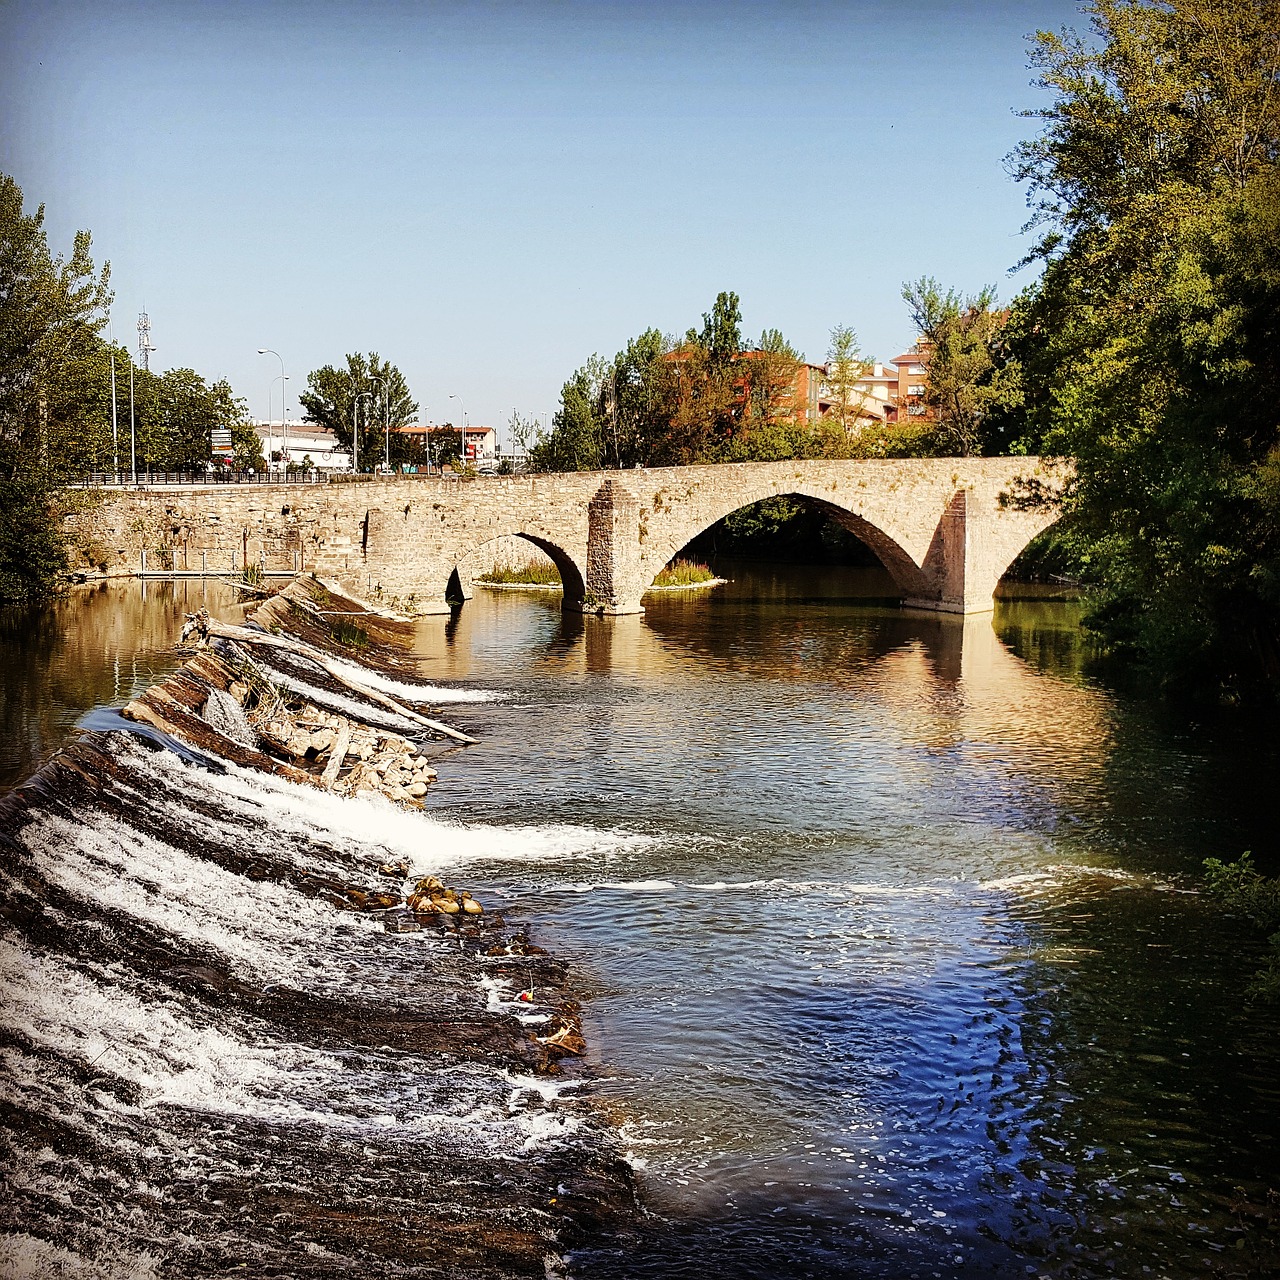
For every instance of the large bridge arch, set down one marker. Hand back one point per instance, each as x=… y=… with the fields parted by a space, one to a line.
x=676 y=535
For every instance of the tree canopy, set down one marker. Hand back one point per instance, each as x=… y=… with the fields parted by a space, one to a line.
x=959 y=338
x=1149 y=350
x=661 y=401
x=367 y=396
x=52 y=310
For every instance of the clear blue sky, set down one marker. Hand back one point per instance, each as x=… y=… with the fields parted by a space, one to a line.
x=486 y=193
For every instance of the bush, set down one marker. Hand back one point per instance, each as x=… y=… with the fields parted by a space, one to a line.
x=535 y=573
x=1245 y=891
x=33 y=547
x=684 y=573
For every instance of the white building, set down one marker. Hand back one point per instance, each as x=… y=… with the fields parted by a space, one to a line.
x=306 y=441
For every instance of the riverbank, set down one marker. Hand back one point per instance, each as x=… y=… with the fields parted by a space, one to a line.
x=236 y=963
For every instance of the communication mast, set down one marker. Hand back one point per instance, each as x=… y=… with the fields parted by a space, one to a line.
x=144 y=340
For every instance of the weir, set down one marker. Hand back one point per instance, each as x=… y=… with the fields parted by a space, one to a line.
x=247 y=1023
x=945 y=528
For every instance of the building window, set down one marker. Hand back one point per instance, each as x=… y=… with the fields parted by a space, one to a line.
x=915 y=389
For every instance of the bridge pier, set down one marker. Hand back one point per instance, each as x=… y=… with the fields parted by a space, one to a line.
x=613 y=553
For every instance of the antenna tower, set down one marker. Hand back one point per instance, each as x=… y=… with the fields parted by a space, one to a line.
x=144 y=340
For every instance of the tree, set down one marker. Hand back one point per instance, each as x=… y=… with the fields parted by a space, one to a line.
x=960 y=338
x=331 y=399
x=1148 y=349
x=660 y=402
x=51 y=311
x=577 y=440
x=845 y=366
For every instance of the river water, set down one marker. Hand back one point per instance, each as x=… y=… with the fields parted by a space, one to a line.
x=885 y=923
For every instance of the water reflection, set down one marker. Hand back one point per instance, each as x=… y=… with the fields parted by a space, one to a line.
x=95 y=646
x=901 y=984
x=896 y=972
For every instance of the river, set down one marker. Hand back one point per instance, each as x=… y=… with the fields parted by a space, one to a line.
x=885 y=923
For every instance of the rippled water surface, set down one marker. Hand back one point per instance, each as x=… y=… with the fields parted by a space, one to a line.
x=884 y=922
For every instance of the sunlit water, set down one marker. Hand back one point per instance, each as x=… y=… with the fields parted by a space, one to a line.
x=884 y=923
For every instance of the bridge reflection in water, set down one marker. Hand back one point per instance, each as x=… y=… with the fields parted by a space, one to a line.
x=947 y=683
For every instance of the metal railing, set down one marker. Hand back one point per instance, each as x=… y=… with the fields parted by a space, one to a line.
x=149 y=479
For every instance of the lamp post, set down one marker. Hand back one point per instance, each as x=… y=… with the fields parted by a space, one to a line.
x=270 y=388
x=133 y=429
x=115 y=426
x=355 y=428
x=386 y=420
x=463 y=407
x=284 y=405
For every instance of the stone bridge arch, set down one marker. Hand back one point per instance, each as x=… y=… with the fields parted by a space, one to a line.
x=944 y=528
x=669 y=537
x=481 y=556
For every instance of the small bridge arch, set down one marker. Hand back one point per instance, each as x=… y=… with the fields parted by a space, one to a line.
x=482 y=556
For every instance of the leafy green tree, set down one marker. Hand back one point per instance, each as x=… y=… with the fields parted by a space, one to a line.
x=446 y=445
x=51 y=312
x=1148 y=350
x=845 y=366
x=246 y=443
x=577 y=440
x=960 y=337
x=331 y=397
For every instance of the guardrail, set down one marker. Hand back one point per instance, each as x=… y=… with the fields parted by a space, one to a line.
x=153 y=479
x=126 y=479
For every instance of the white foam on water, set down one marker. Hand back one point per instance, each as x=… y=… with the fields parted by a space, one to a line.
x=427 y=693
x=264 y=930
x=366 y=712
x=24 y=1257
x=59 y=1007
x=548 y=1088
x=372 y=825
x=633 y=886
x=1054 y=877
x=96 y=1017
x=831 y=887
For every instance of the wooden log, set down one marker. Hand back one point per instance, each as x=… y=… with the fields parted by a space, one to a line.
x=244 y=635
x=337 y=756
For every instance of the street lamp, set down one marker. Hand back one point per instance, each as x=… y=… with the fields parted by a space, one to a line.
x=133 y=429
x=463 y=407
x=386 y=420
x=284 y=404
x=270 y=388
x=355 y=428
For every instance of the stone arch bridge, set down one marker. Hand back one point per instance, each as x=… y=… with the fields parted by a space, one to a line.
x=941 y=526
